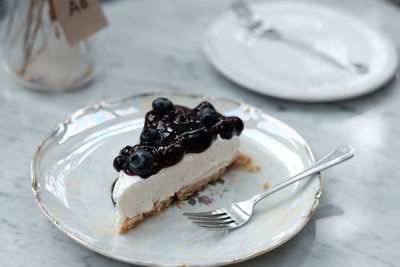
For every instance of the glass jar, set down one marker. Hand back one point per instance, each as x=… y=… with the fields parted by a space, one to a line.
x=36 y=52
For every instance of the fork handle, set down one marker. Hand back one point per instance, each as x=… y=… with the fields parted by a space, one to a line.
x=354 y=68
x=340 y=155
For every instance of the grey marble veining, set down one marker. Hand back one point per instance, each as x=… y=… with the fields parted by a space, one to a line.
x=155 y=45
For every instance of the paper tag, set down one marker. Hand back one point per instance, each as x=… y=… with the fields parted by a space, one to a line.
x=79 y=18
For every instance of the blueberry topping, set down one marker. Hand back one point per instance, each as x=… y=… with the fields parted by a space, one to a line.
x=162 y=105
x=208 y=116
x=120 y=163
x=173 y=154
x=238 y=125
x=226 y=129
x=141 y=162
x=204 y=104
x=170 y=131
x=126 y=151
x=181 y=119
x=150 y=136
x=199 y=140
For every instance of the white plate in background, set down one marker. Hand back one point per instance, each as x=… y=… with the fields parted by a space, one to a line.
x=280 y=70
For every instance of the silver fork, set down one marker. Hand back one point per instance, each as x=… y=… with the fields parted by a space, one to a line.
x=260 y=28
x=238 y=214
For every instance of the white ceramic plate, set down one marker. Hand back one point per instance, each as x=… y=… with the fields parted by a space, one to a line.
x=72 y=173
x=277 y=69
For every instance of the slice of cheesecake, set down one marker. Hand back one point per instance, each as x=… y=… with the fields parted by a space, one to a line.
x=180 y=151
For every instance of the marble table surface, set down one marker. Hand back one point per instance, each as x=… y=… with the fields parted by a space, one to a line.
x=155 y=45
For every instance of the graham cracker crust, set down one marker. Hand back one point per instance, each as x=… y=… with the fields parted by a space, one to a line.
x=240 y=160
x=245 y=162
x=181 y=195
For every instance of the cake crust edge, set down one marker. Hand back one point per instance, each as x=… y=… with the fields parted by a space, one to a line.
x=240 y=161
x=183 y=194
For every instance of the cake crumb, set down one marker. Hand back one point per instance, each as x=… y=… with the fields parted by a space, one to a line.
x=245 y=162
x=180 y=204
x=266 y=185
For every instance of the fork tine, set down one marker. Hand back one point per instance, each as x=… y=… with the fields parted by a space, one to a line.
x=203 y=218
x=216 y=228
x=246 y=16
x=241 y=11
x=207 y=213
x=246 y=7
x=209 y=223
x=243 y=7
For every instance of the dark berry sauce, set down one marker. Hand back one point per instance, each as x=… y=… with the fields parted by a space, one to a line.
x=112 y=190
x=169 y=132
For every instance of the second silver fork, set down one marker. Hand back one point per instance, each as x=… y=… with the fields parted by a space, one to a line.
x=260 y=28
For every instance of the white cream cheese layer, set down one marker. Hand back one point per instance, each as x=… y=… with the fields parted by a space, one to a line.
x=134 y=195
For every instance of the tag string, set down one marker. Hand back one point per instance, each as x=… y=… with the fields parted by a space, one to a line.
x=53 y=18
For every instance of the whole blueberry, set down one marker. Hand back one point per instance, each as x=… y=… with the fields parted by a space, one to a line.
x=208 y=116
x=120 y=163
x=204 y=104
x=162 y=105
x=226 y=129
x=141 y=162
x=238 y=125
x=150 y=136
